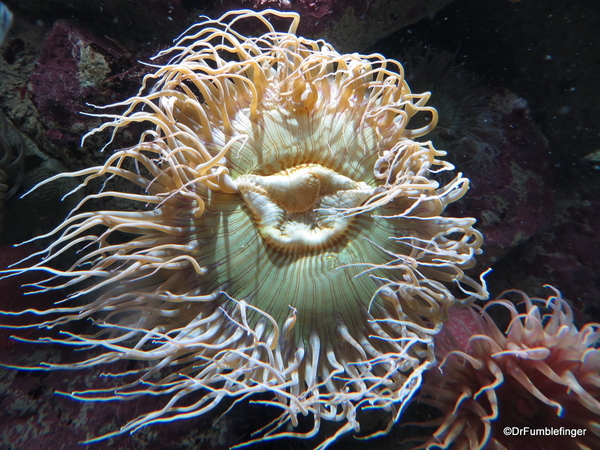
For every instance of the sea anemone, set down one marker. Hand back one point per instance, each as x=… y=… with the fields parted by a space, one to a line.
x=543 y=373
x=12 y=156
x=276 y=232
x=469 y=125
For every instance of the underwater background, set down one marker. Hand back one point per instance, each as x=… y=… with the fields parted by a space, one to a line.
x=517 y=88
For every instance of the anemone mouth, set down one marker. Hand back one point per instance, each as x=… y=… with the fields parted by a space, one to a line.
x=287 y=239
x=304 y=208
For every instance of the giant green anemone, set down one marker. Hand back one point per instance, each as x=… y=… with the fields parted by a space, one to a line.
x=278 y=233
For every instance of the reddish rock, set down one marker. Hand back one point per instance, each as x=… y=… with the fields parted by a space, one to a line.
x=511 y=197
x=567 y=254
x=69 y=74
x=350 y=25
